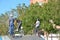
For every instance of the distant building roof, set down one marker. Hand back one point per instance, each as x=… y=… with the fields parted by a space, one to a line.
x=34 y=1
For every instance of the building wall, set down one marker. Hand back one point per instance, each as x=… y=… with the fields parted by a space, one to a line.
x=34 y=1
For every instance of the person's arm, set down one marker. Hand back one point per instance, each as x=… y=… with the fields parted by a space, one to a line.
x=9 y=22
x=34 y=24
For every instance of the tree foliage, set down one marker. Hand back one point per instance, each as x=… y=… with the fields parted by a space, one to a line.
x=44 y=13
x=29 y=14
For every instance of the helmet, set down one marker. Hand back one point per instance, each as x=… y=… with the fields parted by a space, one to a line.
x=11 y=15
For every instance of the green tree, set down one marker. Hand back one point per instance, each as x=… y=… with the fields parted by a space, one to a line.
x=29 y=14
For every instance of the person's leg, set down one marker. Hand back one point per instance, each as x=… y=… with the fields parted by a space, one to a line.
x=35 y=31
x=19 y=27
x=12 y=30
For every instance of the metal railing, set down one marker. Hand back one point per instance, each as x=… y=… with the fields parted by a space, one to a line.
x=53 y=37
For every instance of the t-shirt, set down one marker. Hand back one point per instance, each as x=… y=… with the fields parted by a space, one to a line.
x=37 y=23
x=11 y=21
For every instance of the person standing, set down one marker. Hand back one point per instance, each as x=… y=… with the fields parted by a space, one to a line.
x=11 y=25
x=37 y=24
x=19 y=24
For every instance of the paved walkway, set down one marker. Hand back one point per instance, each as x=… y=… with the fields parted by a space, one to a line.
x=26 y=37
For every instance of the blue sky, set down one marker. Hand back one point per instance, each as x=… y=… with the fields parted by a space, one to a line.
x=7 y=5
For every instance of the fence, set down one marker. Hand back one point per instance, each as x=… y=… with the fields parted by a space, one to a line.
x=53 y=37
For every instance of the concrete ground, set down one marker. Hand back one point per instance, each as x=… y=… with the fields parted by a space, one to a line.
x=26 y=37
x=30 y=37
